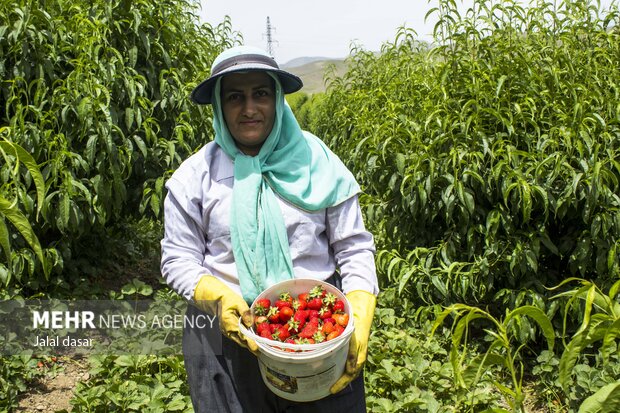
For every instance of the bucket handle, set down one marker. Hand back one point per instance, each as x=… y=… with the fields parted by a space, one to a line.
x=304 y=347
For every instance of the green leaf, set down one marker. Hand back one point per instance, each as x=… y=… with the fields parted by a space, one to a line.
x=569 y=357
x=20 y=222
x=541 y=319
x=605 y=400
x=4 y=241
x=588 y=309
x=32 y=166
x=176 y=404
x=500 y=83
x=611 y=335
x=400 y=163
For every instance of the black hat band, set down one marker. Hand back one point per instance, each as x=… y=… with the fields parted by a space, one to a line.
x=241 y=59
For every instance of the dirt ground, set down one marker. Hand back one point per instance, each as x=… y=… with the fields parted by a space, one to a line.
x=53 y=392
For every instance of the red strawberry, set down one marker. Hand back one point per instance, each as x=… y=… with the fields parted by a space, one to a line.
x=318 y=337
x=310 y=329
x=262 y=306
x=330 y=320
x=263 y=326
x=273 y=315
x=300 y=305
x=315 y=303
x=285 y=300
x=314 y=320
x=301 y=316
x=341 y=318
x=281 y=334
x=313 y=314
x=265 y=333
x=317 y=292
x=329 y=299
x=293 y=326
x=274 y=327
x=289 y=341
x=324 y=313
x=338 y=306
x=285 y=314
x=303 y=296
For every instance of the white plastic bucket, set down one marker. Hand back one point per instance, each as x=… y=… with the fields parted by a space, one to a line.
x=308 y=373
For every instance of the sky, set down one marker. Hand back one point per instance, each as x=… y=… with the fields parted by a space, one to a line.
x=325 y=28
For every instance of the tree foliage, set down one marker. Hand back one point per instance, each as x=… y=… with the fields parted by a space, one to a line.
x=97 y=92
x=490 y=157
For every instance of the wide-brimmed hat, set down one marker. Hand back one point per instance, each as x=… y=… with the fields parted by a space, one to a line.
x=243 y=59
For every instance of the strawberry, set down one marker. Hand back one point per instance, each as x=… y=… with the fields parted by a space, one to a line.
x=303 y=297
x=317 y=292
x=289 y=341
x=313 y=314
x=324 y=313
x=314 y=320
x=341 y=319
x=265 y=333
x=338 y=329
x=329 y=320
x=274 y=327
x=329 y=299
x=315 y=303
x=327 y=327
x=338 y=306
x=301 y=316
x=293 y=326
x=318 y=337
x=285 y=300
x=262 y=326
x=260 y=320
x=281 y=333
x=332 y=335
x=273 y=315
x=285 y=314
x=262 y=306
x=299 y=304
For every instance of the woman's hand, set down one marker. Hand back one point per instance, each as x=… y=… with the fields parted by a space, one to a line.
x=209 y=292
x=363 y=308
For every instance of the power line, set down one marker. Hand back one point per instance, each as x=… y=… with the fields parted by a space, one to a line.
x=270 y=39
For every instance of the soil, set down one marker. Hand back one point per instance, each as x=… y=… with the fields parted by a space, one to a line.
x=53 y=392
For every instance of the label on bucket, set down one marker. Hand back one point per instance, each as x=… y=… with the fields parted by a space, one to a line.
x=304 y=384
x=281 y=381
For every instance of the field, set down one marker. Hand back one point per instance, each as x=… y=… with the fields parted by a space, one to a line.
x=488 y=160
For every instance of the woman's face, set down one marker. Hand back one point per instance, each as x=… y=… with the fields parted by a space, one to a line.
x=249 y=108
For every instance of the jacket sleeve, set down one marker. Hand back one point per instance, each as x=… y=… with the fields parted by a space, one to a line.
x=353 y=247
x=184 y=243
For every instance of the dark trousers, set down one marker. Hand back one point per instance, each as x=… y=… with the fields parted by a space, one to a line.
x=226 y=378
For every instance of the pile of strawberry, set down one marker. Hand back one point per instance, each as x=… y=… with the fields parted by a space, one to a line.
x=312 y=317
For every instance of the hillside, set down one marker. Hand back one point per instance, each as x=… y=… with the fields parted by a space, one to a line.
x=313 y=73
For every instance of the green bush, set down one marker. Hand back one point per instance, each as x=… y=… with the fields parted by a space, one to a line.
x=97 y=91
x=489 y=158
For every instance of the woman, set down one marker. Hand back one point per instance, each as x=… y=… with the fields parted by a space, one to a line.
x=263 y=203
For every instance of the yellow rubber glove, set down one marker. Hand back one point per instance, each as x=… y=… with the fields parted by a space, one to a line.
x=209 y=292
x=363 y=308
